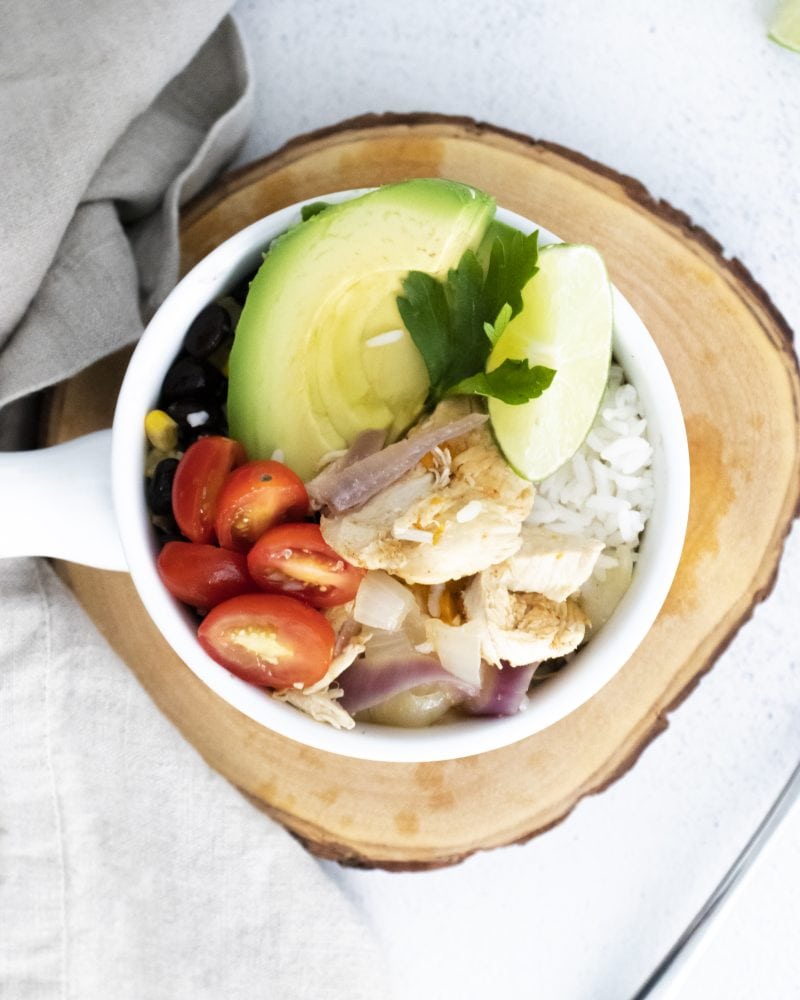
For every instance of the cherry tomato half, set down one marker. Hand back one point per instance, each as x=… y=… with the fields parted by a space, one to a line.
x=269 y=640
x=203 y=575
x=198 y=481
x=256 y=496
x=295 y=559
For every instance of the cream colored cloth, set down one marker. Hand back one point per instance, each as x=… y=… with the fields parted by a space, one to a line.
x=129 y=870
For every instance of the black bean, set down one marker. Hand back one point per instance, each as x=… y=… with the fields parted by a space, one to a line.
x=159 y=487
x=188 y=414
x=168 y=532
x=239 y=292
x=208 y=330
x=190 y=379
x=183 y=409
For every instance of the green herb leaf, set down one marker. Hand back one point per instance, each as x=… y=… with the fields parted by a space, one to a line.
x=514 y=382
x=425 y=313
x=462 y=292
x=313 y=208
x=512 y=263
x=454 y=323
x=493 y=330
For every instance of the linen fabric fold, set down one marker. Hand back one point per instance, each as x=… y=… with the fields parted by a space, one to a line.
x=97 y=155
x=128 y=868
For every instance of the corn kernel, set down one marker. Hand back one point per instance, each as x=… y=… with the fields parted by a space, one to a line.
x=161 y=430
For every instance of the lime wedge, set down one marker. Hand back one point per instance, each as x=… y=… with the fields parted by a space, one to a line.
x=785 y=26
x=565 y=324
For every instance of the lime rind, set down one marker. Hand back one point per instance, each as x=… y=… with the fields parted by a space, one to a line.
x=785 y=26
x=790 y=47
x=566 y=322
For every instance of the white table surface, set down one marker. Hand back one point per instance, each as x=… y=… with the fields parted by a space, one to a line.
x=690 y=98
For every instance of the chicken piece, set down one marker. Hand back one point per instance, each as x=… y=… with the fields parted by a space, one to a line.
x=322 y=706
x=343 y=658
x=445 y=519
x=550 y=564
x=344 y=625
x=351 y=640
x=521 y=628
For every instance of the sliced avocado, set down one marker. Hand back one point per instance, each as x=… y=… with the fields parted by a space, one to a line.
x=303 y=376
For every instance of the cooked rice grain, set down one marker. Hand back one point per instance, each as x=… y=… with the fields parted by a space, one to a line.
x=606 y=490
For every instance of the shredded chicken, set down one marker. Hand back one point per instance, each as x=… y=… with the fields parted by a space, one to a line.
x=441 y=466
x=351 y=640
x=549 y=563
x=320 y=705
x=339 y=664
x=521 y=628
x=412 y=528
x=343 y=623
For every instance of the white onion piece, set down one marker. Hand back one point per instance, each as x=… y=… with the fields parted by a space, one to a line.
x=459 y=648
x=388 y=647
x=382 y=602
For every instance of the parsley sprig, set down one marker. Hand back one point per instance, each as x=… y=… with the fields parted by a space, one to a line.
x=455 y=323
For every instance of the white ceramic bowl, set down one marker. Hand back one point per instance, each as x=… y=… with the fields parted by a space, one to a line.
x=590 y=669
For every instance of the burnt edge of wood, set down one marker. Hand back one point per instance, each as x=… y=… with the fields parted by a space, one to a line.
x=637 y=192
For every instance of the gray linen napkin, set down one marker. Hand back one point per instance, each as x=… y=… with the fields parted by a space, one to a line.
x=101 y=141
x=128 y=869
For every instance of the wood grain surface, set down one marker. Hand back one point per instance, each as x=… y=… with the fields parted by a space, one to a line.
x=731 y=357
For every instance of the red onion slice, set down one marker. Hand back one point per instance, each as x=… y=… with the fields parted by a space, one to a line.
x=344 y=488
x=367 y=684
x=502 y=691
x=367 y=443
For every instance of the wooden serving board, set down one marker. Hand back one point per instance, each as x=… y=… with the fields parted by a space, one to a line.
x=731 y=356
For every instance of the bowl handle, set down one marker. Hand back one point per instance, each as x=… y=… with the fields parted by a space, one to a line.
x=57 y=502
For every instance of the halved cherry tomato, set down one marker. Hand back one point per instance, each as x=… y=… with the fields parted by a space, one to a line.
x=256 y=496
x=198 y=481
x=295 y=559
x=203 y=575
x=268 y=640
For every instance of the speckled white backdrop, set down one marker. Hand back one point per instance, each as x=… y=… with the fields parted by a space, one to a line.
x=690 y=98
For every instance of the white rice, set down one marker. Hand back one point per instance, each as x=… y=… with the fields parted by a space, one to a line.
x=606 y=489
x=381 y=339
